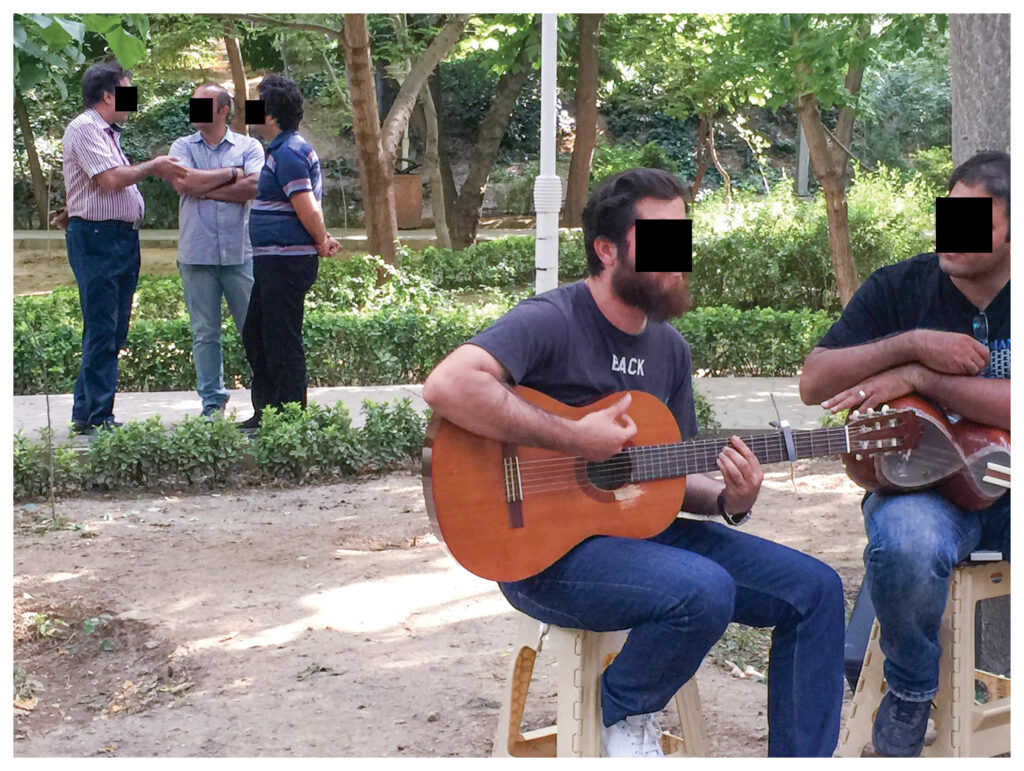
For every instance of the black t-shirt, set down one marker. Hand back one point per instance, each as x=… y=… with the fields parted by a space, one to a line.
x=559 y=343
x=916 y=294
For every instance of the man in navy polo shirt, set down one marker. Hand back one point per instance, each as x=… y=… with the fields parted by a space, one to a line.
x=286 y=227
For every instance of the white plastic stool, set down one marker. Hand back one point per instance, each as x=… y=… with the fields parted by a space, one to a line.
x=964 y=728
x=582 y=656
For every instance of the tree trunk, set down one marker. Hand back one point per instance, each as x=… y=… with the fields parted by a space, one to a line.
x=39 y=191
x=830 y=159
x=466 y=214
x=376 y=171
x=586 y=120
x=430 y=158
x=979 y=66
x=831 y=177
x=447 y=179
x=238 y=78
x=701 y=158
x=713 y=153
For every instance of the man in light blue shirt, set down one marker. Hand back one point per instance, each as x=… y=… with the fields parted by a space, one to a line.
x=214 y=251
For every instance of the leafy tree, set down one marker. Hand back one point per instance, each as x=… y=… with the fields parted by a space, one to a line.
x=48 y=48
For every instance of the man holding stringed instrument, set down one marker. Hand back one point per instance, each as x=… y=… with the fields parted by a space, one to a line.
x=938 y=326
x=676 y=583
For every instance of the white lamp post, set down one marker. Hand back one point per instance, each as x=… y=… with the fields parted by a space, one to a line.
x=547 y=188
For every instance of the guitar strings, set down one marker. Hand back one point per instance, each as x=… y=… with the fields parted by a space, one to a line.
x=549 y=475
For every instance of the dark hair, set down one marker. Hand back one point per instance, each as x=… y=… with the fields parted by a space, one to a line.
x=611 y=210
x=101 y=78
x=281 y=99
x=991 y=170
x=223 y=98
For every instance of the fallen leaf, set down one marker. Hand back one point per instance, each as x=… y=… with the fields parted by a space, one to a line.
x=26 y=704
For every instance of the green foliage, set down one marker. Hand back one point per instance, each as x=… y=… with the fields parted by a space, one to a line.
x=393 y=432
x=935 y=165
x=297 y=444
x=199 y=448
x=32 y=463
x=609 y=159
x=135 y=454
x=706 y=420
x=773 y=250
x=759 y=342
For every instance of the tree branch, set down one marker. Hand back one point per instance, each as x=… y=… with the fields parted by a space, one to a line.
x=398 y=116
x=271 y=21
x=847 y=150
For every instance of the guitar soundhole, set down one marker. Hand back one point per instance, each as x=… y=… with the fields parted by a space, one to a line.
x=611 y=474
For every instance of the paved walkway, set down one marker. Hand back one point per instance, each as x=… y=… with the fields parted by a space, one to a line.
x=740 y=403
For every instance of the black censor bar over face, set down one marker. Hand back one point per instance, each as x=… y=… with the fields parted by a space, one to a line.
x=664 y=246
x=126 y=98
x=255 y=112
x=963 y=225
x=200 y=110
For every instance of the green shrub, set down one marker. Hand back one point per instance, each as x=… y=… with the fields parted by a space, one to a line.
x=31 y=467
x=393 y=432
x=136 y=454
x=296 y=444
x=706 y=419
x=199 y=449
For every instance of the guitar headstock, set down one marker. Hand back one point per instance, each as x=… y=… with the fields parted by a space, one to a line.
x=886 y=430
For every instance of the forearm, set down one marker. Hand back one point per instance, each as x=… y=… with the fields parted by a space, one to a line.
x=981 y=399
x=200 y=182
x=701 y=496
x=827 y=371
x=120 y=177
x=244 y=189
x=481 y=404
x=309 y=214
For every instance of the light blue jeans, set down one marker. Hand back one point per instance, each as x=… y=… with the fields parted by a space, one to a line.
x=204 y=285
x=914 y=542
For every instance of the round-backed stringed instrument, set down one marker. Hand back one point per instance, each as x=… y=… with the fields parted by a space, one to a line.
x=506 y=512
x=968 y=463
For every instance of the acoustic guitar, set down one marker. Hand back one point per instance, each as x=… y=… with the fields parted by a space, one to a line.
x=966 y=462
x=506 y=512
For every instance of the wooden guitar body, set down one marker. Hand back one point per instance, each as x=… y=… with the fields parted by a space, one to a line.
x=468 y=475
x=952 y=457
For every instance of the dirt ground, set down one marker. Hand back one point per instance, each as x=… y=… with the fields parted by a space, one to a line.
x=40 y=270
x=313 y=621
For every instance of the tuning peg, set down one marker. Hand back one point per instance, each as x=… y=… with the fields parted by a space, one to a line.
x=871 y=412
x=885 y=409
x=858 y=456
x=855 y=414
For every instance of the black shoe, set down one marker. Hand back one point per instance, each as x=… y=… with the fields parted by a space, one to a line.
x=80 y=427
x=251 y=424
x=900 y=727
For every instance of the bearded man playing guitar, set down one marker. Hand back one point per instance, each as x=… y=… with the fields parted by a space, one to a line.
x=676 y=591
x=937 y=325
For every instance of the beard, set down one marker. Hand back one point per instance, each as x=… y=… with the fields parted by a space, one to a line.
x=642 y=290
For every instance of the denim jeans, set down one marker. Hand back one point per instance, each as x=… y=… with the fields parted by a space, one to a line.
x=677 y=592
x=914 y=542
x=104 y=256
x=272 y=333
x=204 y=285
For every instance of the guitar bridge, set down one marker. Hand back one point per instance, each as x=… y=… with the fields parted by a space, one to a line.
x=513 y=485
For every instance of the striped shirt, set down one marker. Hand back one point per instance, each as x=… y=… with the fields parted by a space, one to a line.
x=92 y=146
x=215 y=232
x=291 y=167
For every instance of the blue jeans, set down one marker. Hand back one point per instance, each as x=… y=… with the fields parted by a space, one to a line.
x=677 y=592
x=914 y=542
x=104 y=256
x=204 y=285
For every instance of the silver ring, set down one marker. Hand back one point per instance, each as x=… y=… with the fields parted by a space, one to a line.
x=861 y=394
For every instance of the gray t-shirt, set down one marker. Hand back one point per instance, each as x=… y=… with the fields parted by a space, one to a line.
x=559 y=343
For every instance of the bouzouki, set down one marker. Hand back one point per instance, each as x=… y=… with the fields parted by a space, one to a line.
x=966 y=462
x=507 y=511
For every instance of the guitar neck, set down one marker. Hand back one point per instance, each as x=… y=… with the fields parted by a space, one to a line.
x=663 y=461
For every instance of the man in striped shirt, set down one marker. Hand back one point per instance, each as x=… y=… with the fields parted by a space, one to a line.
x=104 y=209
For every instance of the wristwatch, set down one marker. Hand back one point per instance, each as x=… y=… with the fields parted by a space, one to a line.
x=735 y=520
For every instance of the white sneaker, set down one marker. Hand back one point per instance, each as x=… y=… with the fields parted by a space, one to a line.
x=636 y=736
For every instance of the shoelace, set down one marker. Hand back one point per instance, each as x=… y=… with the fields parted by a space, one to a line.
x=651 y=737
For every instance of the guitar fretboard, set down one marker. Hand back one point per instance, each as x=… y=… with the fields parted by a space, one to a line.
x=664 y=461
